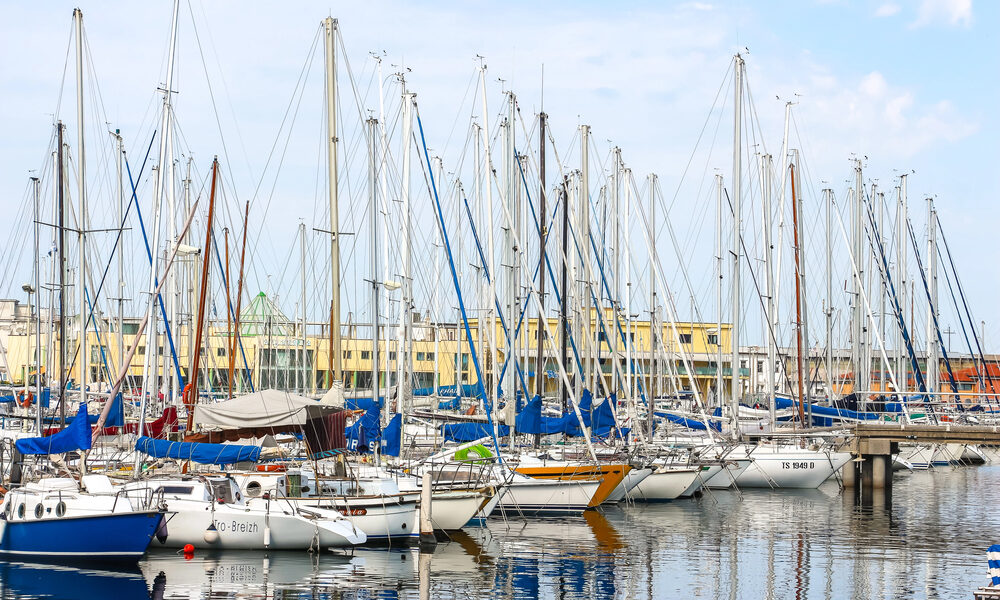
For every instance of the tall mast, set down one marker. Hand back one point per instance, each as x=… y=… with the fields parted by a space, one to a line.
x=403 y=379
x=229 y=316
x=36 y=276
x=654 y=316
x=510 y=259
x=766 y=189
x=373 y=202
x=192 y=387
x=933 y=350
x=235 y=341
x=798 y=296
x=303 y=340
x=81 y=182
x=490 y=247
x=902 y=364
x=61 y=201
x=719 y=267
x=542 y=220
x=859 y=337
x=800 y=270
x=737 y=228
x=149 y=370
x=119 y=335
x=336 y=358
x=564 y=297
x=828 y=205
x=588 y=308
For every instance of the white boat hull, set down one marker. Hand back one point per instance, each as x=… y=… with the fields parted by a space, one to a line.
x=784 y=467
x=665 y=484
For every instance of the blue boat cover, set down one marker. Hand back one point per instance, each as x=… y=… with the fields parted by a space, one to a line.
x=76 y=436
x=206 y=454
x=840 y=413
x=392 y=436
x=468 y=432
x=364 y=433
x=690 y=423
x=601 y=420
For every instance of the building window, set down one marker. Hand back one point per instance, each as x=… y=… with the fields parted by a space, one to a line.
x=743 y=363
x=420 y=356
x=713 y=339
x=685 y=338
x=130 y=328
x=366 y=354
x=220 y=351
x=760 y=366
x=392 y=355
x=347 y=354
x=141 y=350
x=430 y=356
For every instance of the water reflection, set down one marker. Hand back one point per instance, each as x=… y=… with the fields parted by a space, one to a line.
x=812 y=544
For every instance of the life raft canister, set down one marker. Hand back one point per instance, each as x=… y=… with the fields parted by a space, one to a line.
x=479 y=450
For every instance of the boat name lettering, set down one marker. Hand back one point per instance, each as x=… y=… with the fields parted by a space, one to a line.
x=798 y=465
x=354 y=512
x=238 y=527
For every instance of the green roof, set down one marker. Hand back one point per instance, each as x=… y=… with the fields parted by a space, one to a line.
x=263 y=317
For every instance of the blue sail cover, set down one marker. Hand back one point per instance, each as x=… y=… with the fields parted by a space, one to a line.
x=392 y=436
x=206 y=454
x=601 y=420
x=838 y=413
x=76 y=436
x=690 y=423
x=468 y=432
x=365 y=432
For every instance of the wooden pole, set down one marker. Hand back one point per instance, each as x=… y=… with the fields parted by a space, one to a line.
x=191 y=390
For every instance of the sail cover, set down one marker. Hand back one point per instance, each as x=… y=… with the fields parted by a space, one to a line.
x=266 y=409
x=76 y=436
x=206 y=454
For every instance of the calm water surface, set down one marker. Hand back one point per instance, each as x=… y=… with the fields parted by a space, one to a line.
x=931 y=543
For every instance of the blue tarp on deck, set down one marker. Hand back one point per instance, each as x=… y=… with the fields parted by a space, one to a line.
x=206 y=454
x=468 y=432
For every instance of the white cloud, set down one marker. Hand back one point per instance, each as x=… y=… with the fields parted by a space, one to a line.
x=887 y=10
x=949 y=12
x=873 y=84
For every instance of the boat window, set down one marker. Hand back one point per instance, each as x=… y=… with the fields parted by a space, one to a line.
x=20 y=511
x=222 y=491
x=39 y=510
x=253 y=489
x=177 y=489
x=61 y=509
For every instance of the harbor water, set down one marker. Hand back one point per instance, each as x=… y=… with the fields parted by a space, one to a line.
x=929 y=542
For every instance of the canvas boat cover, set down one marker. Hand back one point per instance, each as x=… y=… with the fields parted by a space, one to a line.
x=266 y=409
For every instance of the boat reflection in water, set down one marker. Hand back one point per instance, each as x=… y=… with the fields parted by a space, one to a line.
x=29 y=580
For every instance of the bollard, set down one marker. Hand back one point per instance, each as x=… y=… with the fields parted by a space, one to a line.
x=426 y=523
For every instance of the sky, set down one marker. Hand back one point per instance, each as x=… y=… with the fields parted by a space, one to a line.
x=909 y=86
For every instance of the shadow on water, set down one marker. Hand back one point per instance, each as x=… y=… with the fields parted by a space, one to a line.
x=928 y=542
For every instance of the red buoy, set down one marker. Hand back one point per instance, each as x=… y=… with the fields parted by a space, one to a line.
x=188 y=548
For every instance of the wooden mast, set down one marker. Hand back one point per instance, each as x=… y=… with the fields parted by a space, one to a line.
x=191 y=390
x=798 y=297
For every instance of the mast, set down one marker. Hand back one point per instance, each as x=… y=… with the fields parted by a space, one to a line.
x=404 y=363
x=588 y=308
x=373 y=200
x=564 y=297
x=542 y=220
x=736 y=249
x=229 y=315
x=192 y=387
x=828 y=202
x=336 y=359
x=490 y=302
x=81 y=182
x=61 y=183
x=36 y=277
x=901 y=255
x=235 y=339
x=719 y=384
x=655 y=327
x=303 y=341
x=119 y=335
x=510 y=259
x=933 y=350
x=859 y=339
x=801 y=276
x=798 y=296
x=771 y=316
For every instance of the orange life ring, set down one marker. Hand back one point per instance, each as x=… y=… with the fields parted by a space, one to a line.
x=25 y=399
x=271 y=468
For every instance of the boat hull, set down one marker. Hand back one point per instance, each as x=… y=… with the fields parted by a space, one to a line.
x=791 y=468
x=526 y=496
x=607 y=476
x=665 y=484
x=111 y=537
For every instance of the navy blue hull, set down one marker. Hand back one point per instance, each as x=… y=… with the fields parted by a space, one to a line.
x=112 y=537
